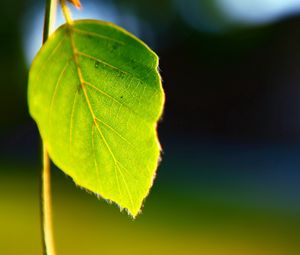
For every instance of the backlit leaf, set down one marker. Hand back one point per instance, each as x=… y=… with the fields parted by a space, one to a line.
x=96 y=95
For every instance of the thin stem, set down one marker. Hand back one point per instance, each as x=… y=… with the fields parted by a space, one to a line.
x=46 y=211
x=66 y=12
x=50 y=16
x=49 y=248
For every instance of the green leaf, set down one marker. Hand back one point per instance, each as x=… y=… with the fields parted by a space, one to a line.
x=96 y=95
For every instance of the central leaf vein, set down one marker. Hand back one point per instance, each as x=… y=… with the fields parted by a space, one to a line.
x=117 y=169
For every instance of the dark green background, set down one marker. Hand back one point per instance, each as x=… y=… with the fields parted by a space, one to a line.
x=229 y=179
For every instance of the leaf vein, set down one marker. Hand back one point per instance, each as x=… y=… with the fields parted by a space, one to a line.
x=114 y=130
x=107 y=64
x=94 y=154
x=114 y=99
x=126 y=186
x=96 y=35
x=104 y=93
x=56 y=89
x=42 y=67
x=71 y=120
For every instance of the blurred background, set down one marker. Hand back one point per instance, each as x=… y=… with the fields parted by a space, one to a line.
x=229 y=180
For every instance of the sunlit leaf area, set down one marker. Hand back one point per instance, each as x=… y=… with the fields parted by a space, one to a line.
x=228 y=182
x=102 y=132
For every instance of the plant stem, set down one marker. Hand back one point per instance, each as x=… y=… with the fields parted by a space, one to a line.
x=49 y=248
x=66 y=12
x=50 y=16
x=46 y=208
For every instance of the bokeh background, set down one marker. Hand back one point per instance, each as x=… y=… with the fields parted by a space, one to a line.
x=229 y=180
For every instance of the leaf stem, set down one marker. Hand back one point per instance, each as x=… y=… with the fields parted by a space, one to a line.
x=66 y=12
x=46 y=208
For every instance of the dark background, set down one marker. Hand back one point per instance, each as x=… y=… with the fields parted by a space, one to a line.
x=229 y=179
